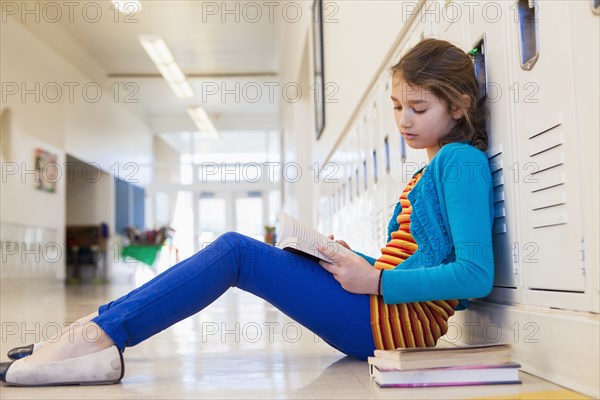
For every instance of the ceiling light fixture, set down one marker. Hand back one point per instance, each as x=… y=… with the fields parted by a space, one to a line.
x=127 y=6
x=160 y=54
x=202 y=121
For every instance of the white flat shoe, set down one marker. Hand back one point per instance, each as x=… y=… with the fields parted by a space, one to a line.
x=103 y=367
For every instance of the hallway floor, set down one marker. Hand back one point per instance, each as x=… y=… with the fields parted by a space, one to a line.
x=239 y=347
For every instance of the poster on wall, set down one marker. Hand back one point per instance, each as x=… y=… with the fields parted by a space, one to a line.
x=46 y=171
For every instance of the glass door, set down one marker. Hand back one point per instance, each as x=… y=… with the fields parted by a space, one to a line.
x=199 y=217
x=250 y=214
x=214 y=217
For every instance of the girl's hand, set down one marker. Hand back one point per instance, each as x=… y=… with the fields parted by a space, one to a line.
x=342 y=242
x=353 y=272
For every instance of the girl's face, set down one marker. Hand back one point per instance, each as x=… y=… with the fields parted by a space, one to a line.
x=422 y=117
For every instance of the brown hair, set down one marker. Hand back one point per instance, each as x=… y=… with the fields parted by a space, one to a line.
x=448 y=72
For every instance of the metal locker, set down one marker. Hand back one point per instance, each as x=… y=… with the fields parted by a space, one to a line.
x=371 y=228
x=365 y=177
x=359 y=196
x=377 y=167
x=488 y=34
x=339 y=186
x=546 y=146
x=444 y=19
x=350 y=210
x=392 y=149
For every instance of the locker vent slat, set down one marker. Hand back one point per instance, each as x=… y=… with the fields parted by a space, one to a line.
x=545 y=178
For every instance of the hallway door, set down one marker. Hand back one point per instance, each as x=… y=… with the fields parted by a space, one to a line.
x=214 y=217
x=251 y=209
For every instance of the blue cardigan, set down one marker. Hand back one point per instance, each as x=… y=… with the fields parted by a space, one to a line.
x=451 y=222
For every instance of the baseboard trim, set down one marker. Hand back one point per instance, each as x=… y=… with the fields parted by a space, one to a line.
x=557 y=345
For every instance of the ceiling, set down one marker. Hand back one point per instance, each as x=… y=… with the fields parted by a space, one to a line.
x=234 y=55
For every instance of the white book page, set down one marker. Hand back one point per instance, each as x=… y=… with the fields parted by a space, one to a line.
x=307 y=237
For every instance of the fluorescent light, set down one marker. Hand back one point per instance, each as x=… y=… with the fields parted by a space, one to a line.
x=127 y=6
x=186 y=89
x=175 y=72
x=171 y=72
x=202 y=121
x=163 y=51
x=157 y=49
x=159 y=53
x=150 y=48
x=183 y=89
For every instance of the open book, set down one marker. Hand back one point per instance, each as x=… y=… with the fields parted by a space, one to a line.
x=297 y=237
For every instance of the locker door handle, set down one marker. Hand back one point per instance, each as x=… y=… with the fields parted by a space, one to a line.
x=528 y=32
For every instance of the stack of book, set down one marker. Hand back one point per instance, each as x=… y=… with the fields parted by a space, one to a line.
x=444 y=365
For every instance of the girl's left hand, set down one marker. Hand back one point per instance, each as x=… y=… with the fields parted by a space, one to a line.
x=352 y=271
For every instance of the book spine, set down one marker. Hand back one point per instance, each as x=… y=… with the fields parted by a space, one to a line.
x=406 y=385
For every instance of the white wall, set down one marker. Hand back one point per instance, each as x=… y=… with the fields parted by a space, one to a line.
x=103 y=133
x=167 y=159
x=297 y=177
x=167 y=171
x=354 y=49
x=357 y=36
x=22 y=205
x=29 y=218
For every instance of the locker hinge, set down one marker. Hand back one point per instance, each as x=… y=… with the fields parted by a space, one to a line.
x=582 y=259
x=515 y=258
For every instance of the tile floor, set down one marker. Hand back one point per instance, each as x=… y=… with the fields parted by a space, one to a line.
x=239 y=347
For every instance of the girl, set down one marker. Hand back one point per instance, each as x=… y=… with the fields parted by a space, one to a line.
x=438 y=251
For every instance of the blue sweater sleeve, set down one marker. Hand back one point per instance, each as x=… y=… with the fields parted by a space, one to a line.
x=371 y=260
x=468 y=196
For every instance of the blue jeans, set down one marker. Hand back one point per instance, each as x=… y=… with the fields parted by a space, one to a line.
x=296 y=285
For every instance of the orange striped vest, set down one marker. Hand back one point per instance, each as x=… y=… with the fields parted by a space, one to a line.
x=406 y=325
